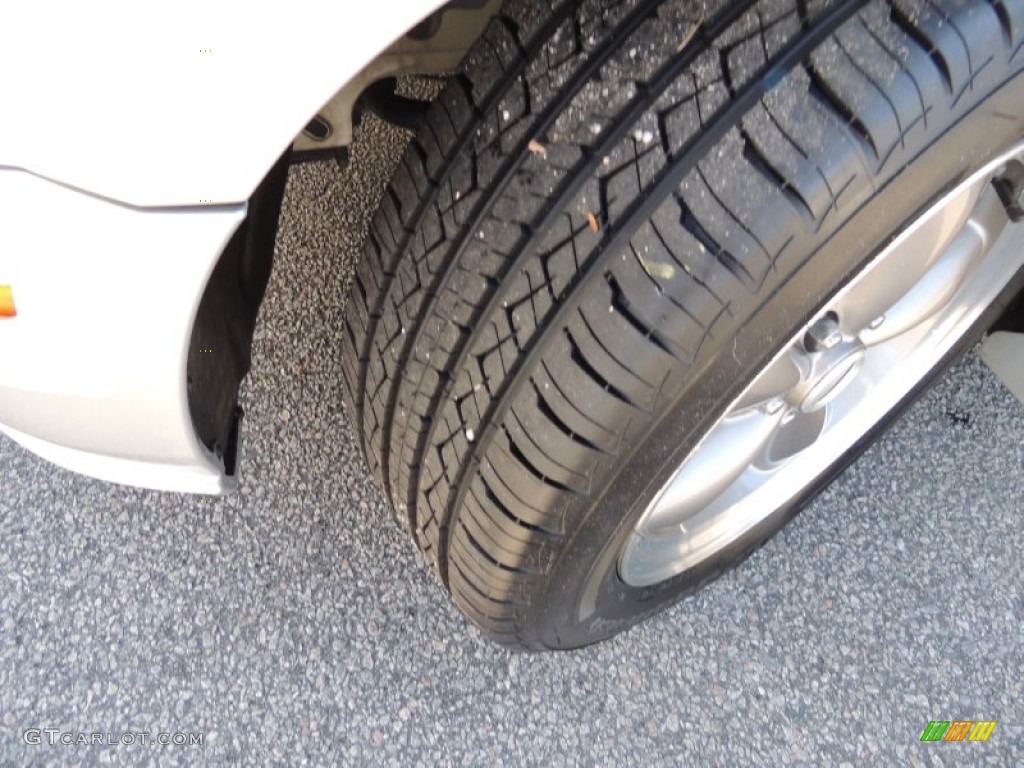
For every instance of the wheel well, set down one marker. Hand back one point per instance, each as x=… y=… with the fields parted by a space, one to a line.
x=435 y=46
x=220 y=350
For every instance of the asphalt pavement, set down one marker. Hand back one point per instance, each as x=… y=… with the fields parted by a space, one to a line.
x=294 y=624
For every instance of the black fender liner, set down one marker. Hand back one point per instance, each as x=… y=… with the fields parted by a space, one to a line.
x=220 y=350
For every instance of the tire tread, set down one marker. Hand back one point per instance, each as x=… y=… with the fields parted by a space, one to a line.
x=536 y=251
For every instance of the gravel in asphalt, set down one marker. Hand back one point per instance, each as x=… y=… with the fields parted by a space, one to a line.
x=294 y=624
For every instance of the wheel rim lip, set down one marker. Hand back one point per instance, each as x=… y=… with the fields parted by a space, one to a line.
x=649 y=558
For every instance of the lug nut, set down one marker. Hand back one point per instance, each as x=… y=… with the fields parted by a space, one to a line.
x=823 y=334
x=1010 y=188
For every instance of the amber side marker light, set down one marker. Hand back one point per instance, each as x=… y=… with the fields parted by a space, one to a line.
x=7 y=302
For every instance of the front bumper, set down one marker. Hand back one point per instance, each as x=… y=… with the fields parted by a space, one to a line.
x=93 y=368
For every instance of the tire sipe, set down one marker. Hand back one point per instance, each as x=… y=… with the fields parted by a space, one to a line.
x=615 y=222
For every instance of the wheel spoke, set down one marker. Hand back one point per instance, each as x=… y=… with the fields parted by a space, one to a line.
x=940 y=283
x=723 y=456
x=910 y=257
x=791 y=438
x=773 y=382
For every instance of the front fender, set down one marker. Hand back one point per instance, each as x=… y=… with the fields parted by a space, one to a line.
x=177 y=103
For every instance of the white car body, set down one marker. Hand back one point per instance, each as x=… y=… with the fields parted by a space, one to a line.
x=132 y=136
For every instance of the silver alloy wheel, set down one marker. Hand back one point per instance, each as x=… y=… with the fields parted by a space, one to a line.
x=836 y=380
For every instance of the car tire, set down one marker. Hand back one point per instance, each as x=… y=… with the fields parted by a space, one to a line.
x=616 y=218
